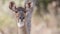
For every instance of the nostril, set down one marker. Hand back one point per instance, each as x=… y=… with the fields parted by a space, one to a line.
x=22 y=18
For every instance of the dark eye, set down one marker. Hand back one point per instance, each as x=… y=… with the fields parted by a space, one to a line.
x=16 y=11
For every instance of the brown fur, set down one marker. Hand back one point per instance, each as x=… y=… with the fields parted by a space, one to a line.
x=11 y=6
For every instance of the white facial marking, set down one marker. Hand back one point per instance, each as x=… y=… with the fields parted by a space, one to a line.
x=20 y=24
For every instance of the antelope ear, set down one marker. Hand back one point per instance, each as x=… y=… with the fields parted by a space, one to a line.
x=12 y=6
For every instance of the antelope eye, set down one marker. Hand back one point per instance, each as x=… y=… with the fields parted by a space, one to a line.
x=16 y=11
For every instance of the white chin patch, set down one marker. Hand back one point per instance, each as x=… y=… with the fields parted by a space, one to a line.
x=20 y=24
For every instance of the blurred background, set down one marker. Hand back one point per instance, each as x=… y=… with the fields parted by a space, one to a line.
x=45 y=17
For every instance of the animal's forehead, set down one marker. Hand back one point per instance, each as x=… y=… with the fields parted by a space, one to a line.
x=20 y=9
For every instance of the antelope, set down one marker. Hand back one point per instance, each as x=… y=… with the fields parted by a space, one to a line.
x=20 y=13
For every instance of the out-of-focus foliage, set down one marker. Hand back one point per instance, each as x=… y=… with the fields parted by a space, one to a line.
x=42 y=4
x=6 y=19
x=4 y=1
x=45 y=2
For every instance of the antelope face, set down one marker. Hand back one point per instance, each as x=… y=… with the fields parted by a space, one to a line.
x=19 y=13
